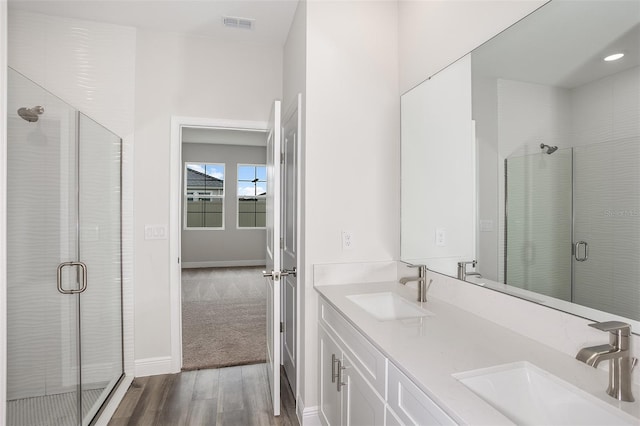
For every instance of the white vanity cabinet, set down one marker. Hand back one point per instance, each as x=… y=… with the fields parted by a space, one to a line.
x=330 y=398
x=354 y=386
x=346 y=396
x=361 y=405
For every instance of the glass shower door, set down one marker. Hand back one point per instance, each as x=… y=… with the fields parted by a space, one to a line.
x=42 y=324
x=538 y=223
x=64 y=310
x=606 y=271
x=99 y=190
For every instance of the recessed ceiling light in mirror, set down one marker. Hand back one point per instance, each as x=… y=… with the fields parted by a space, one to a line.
x=614 y=57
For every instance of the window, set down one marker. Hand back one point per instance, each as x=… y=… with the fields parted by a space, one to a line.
x=204 y=196
x=252 y=195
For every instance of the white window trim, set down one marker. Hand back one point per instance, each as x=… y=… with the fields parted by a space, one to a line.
x=185 y=227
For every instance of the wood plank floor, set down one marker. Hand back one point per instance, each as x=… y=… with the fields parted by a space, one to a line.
x=225 y=396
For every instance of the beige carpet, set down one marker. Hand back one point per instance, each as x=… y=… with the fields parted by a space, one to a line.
x=223 y=317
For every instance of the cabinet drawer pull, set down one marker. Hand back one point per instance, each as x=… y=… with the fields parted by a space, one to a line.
x=334 y=375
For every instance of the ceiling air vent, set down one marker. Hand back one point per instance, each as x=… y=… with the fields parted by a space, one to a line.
x=235 y=22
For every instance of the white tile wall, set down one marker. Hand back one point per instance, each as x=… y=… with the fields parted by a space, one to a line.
x=91 y=66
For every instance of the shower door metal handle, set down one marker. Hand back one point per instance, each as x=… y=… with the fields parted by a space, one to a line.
x=576 y=254
x=83 y=277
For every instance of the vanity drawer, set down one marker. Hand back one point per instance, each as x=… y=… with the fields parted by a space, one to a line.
x=410 y=404
x=369 y=360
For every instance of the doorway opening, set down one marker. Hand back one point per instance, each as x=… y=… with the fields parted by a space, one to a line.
x=222 y=250
x=221 y=265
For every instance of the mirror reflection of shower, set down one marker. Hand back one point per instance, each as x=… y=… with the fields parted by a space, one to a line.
x=550 y=149
x=31 y=114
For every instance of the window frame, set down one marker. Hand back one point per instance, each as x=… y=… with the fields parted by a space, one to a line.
x=185 y=198
x=238 y=196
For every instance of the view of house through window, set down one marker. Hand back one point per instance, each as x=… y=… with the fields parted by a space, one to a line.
x=252 y=192
x=204 y=195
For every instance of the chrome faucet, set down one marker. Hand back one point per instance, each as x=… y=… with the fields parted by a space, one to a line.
x=621 y=363
x=421 y=279
x=462 y=269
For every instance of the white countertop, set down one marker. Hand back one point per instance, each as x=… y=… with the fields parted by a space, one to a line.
x=430 y=349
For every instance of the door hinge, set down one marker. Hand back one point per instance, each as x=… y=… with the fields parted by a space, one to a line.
x=281 y=243
x=281 y=327
x=282 y=158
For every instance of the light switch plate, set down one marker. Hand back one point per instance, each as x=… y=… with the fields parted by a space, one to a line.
x=155 y=232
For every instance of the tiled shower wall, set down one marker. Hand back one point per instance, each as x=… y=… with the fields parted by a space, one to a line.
x=92 y=67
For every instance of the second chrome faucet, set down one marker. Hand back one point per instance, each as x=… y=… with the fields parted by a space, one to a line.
x=462 y=270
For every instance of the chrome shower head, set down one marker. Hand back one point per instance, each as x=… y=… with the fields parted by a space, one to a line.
x=31 y=114
x=550 y=149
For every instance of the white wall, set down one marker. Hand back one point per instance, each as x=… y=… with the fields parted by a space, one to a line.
x=489 y=249
x=433 y=34
x=184 y=76
x=352 y=145
x=438 y=170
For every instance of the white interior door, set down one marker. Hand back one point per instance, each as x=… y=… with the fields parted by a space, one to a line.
x=291 y=145
x=273 y=271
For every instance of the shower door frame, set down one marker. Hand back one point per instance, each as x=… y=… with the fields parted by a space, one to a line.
x=94 y=413
x=3 y=206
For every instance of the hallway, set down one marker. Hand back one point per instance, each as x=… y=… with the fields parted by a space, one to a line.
x=226 y=396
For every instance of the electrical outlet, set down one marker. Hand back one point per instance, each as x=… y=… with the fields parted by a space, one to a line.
x=440 y=237
x=347 y=240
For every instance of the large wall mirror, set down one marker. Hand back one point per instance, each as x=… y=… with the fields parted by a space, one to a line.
x=539 y=178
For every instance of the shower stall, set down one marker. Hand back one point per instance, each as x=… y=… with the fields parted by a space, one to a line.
x=64 y=261
x=572 y=224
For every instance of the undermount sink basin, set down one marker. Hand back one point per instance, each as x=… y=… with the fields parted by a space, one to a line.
x=529 y=395
x=387 y=306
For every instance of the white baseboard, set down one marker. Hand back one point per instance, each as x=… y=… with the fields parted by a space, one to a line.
x=309 y=416
x=154 y=366
x=223 y=263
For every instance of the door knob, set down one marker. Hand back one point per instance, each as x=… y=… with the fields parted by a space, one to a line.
x=274 y=275
x=293 y=272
